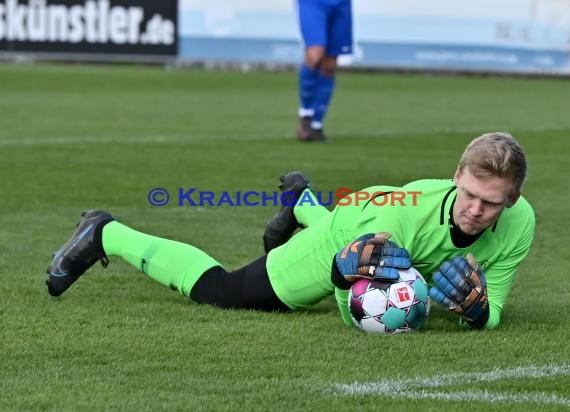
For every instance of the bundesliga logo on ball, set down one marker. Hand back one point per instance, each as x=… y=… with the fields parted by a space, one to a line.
x=383 y=307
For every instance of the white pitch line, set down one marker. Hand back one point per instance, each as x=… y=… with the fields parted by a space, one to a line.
x=191 y=137
x=419 y=387
x=71 y=140
x=485 y=396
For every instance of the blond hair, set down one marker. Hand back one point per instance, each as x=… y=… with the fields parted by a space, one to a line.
x=496 y=154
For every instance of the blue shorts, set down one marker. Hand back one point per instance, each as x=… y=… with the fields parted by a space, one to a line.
x=327 y=23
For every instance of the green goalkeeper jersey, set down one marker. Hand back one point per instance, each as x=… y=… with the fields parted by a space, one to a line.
x=300 y=270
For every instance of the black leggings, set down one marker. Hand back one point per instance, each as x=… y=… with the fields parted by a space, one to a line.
x=245 y=288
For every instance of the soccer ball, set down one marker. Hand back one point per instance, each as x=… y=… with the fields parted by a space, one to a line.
x=383 y=307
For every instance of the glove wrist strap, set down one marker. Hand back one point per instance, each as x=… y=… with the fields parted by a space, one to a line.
x=337 y=279
x=481 y=321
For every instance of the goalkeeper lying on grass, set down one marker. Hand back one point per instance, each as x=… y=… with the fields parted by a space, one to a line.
x=477 y=215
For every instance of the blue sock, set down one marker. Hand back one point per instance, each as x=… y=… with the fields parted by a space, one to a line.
x=307 y=86
x=325 y=88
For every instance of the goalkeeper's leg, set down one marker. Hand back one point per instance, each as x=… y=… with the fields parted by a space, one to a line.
x=173 y=264
x=191 y=271
x=247 y=288
x=306 y=211
x=180 y=266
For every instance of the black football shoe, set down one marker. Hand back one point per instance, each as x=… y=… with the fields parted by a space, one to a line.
x=281 y=227
x=304 y=128
x=317 y=135
x=314 y=135
x=79 y=253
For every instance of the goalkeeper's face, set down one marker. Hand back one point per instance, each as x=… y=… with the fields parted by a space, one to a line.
x=480 y=200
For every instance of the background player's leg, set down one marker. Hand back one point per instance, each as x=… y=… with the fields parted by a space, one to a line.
x=308 y=78
x=313 y=26
x=324 y=90
x=338 y=41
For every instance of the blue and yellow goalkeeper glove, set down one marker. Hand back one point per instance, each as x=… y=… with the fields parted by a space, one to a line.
x=370 y=256
x=461 y=288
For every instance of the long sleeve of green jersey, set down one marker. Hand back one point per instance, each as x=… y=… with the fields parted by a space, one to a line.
x=342 y=302
x=514 y=241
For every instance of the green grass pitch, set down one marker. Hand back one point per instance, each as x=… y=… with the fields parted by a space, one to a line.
x=78 y=137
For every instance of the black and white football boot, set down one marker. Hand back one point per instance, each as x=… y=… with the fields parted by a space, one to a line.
x=79 y=253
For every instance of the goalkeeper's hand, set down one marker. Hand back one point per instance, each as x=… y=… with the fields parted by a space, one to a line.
x=460 y=287
x=371 y=256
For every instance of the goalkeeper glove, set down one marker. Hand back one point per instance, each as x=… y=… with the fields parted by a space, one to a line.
x=370 y=256
x=460 y=287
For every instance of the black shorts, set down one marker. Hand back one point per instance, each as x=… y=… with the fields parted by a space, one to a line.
x=245 y=288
